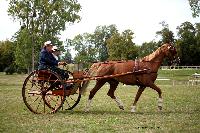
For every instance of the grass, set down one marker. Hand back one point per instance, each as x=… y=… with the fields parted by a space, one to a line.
x=181 y=110
x=178 y=74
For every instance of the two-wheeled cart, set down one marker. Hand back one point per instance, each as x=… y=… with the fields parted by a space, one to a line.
x=44 y=91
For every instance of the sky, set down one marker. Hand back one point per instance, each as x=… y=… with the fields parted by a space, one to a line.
x=140 y=16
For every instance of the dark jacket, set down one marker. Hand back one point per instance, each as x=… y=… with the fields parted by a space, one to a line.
x=47 y=60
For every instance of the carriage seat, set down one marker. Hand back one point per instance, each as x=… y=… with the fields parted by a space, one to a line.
x=43 y=75
x=78 y=74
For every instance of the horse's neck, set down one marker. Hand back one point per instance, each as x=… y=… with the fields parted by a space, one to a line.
x=156 y=63
x=155 y=59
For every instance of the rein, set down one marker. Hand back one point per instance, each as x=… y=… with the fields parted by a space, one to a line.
x=153 y=61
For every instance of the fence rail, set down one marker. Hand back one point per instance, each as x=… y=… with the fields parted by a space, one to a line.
x=179 y=67
x=190 y=82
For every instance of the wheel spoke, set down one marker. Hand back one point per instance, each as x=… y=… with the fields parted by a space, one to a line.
x=44 y=107
x=68 y=103
x=34 y=84
x=50 y=87
x=34 y=100
x=39 y=104
x=72 y=98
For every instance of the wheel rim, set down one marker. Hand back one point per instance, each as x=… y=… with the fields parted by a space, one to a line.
x=73 y=97
x=39 y=92
x=71 y=101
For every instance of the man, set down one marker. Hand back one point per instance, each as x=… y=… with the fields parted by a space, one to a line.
x=55 y=52
x=47 y=61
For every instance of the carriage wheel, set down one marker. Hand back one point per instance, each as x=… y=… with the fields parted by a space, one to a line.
x=43 y=92
x=71 y=101
x=73 y=98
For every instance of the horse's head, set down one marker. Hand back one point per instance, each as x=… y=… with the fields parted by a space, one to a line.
x=170 y=52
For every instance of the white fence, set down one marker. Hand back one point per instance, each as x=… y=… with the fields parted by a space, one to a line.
x=179 y=67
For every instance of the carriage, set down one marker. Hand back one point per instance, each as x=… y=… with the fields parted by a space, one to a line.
x=44 y=91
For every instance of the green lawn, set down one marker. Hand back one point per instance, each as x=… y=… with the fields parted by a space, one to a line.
x=181 y=109
x=181 y=74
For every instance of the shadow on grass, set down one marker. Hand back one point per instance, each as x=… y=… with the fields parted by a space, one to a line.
x=122 y=112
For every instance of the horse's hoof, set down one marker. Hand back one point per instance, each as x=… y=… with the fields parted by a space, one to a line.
x=159 y=108
x=121 y=107
x=87 y=110
x=133 y=110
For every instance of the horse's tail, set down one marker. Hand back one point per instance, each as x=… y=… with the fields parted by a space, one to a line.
x=91 y=72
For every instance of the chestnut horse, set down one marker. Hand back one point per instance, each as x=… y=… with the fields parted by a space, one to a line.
x=142 y=72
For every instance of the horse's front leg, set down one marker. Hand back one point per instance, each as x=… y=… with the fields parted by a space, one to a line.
x=139 y=92
x=160 y=100
x=113 y=86
x=98 y=85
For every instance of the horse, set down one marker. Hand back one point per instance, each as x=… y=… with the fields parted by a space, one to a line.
x=141 y=72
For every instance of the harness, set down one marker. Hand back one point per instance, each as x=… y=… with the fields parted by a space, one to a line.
x=138 y=71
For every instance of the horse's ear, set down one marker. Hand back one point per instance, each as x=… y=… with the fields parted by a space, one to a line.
x=169 y=47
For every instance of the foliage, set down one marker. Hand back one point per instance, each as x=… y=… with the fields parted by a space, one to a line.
x=7 y=49
x=49 y=17
x=41 y=20
x=10 y=69
x=195 y=7
x=121 y=46
x=188 y=49
x=147 y=48
x=197 y=38
x=104 y=42
x=67 y=56
x=23 y=49
x=86 y=51
x=167 y=36
x=187 y=43
x=99 y=39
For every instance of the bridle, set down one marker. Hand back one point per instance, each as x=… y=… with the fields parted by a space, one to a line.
x=172 y=51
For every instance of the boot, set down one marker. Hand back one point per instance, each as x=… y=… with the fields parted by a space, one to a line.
x=68 y=86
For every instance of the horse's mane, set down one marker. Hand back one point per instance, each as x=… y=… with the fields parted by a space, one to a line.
x=153 y=55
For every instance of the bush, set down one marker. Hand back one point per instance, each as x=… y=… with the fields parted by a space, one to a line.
x=21 y=70
x=9 y=70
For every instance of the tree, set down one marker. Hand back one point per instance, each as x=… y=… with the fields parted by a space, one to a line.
x=7 y=49
x=197 y=27
x=23 y=50
x=167 y=36
x=43 y=20
x=187 y=44
x=195 y=7
x=85 y=50
x=99 y=39
x=197 y=38
x=67 y=56
x=147 y=48
x=92 y=47
x=121 y=46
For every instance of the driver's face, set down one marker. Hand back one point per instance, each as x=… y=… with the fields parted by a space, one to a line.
x=49 y=48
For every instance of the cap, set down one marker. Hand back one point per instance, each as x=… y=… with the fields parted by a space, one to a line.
x=55 y=48
x=47 y=43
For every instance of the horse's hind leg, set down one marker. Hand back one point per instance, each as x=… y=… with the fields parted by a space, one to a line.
x=98 y=85
x=160 y=101
x=113 y=85
x=139 y=92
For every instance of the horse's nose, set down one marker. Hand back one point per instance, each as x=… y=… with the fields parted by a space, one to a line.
x=176 y=59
